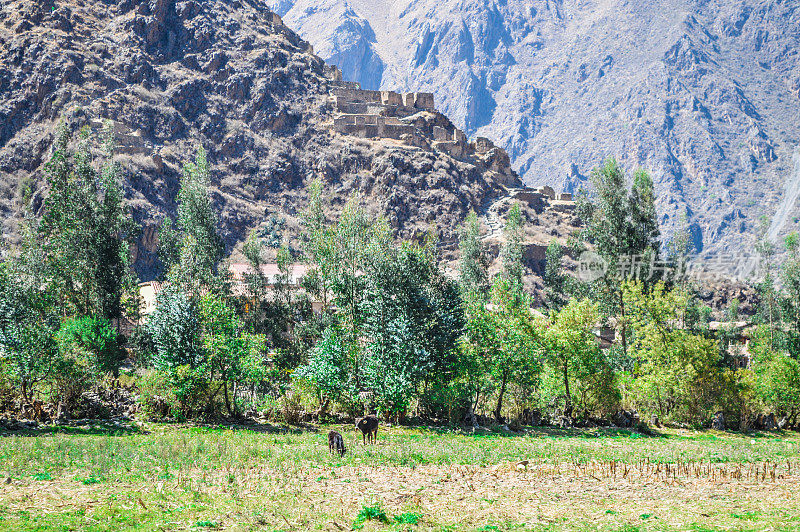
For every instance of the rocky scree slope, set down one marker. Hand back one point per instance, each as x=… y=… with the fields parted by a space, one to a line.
x=225 y=75
x=704 y=93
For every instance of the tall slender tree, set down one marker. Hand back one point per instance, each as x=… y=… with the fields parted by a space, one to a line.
x=80 y=249
x=191 y=246
x=511 y=252
x=555 y=279
x=621 y=224
x=474 y=263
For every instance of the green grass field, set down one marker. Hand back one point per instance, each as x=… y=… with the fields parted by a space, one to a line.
x=178 y=477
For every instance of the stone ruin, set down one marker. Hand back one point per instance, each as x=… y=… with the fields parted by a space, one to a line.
x=410 y=118
x=543 y=198
x=561 y=201
x=126 y=140
x=379 y=114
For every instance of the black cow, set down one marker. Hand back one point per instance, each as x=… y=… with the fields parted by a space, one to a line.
x=368 y=425
x=336 y=443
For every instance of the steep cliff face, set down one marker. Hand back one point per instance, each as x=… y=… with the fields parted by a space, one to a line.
x=705 y=93
x=230 y=76
x=350 y=44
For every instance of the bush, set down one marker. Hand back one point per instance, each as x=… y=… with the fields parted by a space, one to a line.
x=28 y=322
x=92 y=343
x=158 y=399
x=446 y=402
x=201 y=347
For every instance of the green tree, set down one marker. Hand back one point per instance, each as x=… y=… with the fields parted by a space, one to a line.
x=555 y=279
x=80 y=248
x=777 y=377
x=790 y=303
x=95 y=341
x=191 y=247
x=511 y=252
x=270 y=306
x=474 y=262
x=644 y=236
x=412 y=321
x=232 y=356
x=28 y=323
x=343 y=253
x=502 y=339
x=572 y=348
x=330 y=368
x=319 y=245
x=769 y=308
x=202 y=347
x=623 y=229
x=677 y=373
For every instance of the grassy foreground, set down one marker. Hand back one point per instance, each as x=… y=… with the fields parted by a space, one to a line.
x=171 y=477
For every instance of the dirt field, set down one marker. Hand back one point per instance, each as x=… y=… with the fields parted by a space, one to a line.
x=188 y=478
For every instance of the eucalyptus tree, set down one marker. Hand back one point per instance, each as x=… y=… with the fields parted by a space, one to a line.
x=80 y=248
x=190 y=246
x=620 y=223
x=473 y=270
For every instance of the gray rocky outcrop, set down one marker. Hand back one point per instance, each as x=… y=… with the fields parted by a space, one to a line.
x=170 y=76
x=704 y=93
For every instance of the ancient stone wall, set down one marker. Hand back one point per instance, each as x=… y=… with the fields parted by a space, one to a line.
x=449 y=147
x=441 y=134
x=547 y=191
x=370 y=126
x=391 y=98
x=534 y=199
x=483 y=145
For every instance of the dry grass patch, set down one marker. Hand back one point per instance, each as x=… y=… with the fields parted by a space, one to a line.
x=180 y=478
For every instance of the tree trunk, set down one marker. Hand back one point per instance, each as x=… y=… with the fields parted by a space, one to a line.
x=499 y=406
x=568 y=403
x=235 y=408
x=227 y=399
x=323 y=407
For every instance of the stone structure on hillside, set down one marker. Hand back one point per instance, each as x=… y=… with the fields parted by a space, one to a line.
x=410 y=118
x=543 y=198
x=126 y=140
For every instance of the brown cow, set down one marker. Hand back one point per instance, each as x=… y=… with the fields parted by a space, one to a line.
x=368 y=425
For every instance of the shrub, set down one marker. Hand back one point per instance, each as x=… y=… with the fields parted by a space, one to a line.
x=202 y=349
x=371 y=513
x=28 y=322
x=93 y=342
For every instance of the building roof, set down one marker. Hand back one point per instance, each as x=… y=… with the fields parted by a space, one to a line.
x=149 y=291
x=271 y=271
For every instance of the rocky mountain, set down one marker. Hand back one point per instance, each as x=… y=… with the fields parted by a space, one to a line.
x=704 y=93
x=230 y=76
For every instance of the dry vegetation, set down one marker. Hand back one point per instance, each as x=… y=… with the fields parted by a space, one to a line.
x=160 y=477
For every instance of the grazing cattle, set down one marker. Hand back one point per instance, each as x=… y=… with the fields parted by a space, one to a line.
x=336 y=443
x=368 y=425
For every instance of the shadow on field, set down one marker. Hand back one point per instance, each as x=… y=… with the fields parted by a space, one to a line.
x=94 y=429
x=544 y=432
x=262 y=428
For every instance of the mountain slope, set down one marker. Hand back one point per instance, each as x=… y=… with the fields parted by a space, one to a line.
x=230 y=76
x=705 y=93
